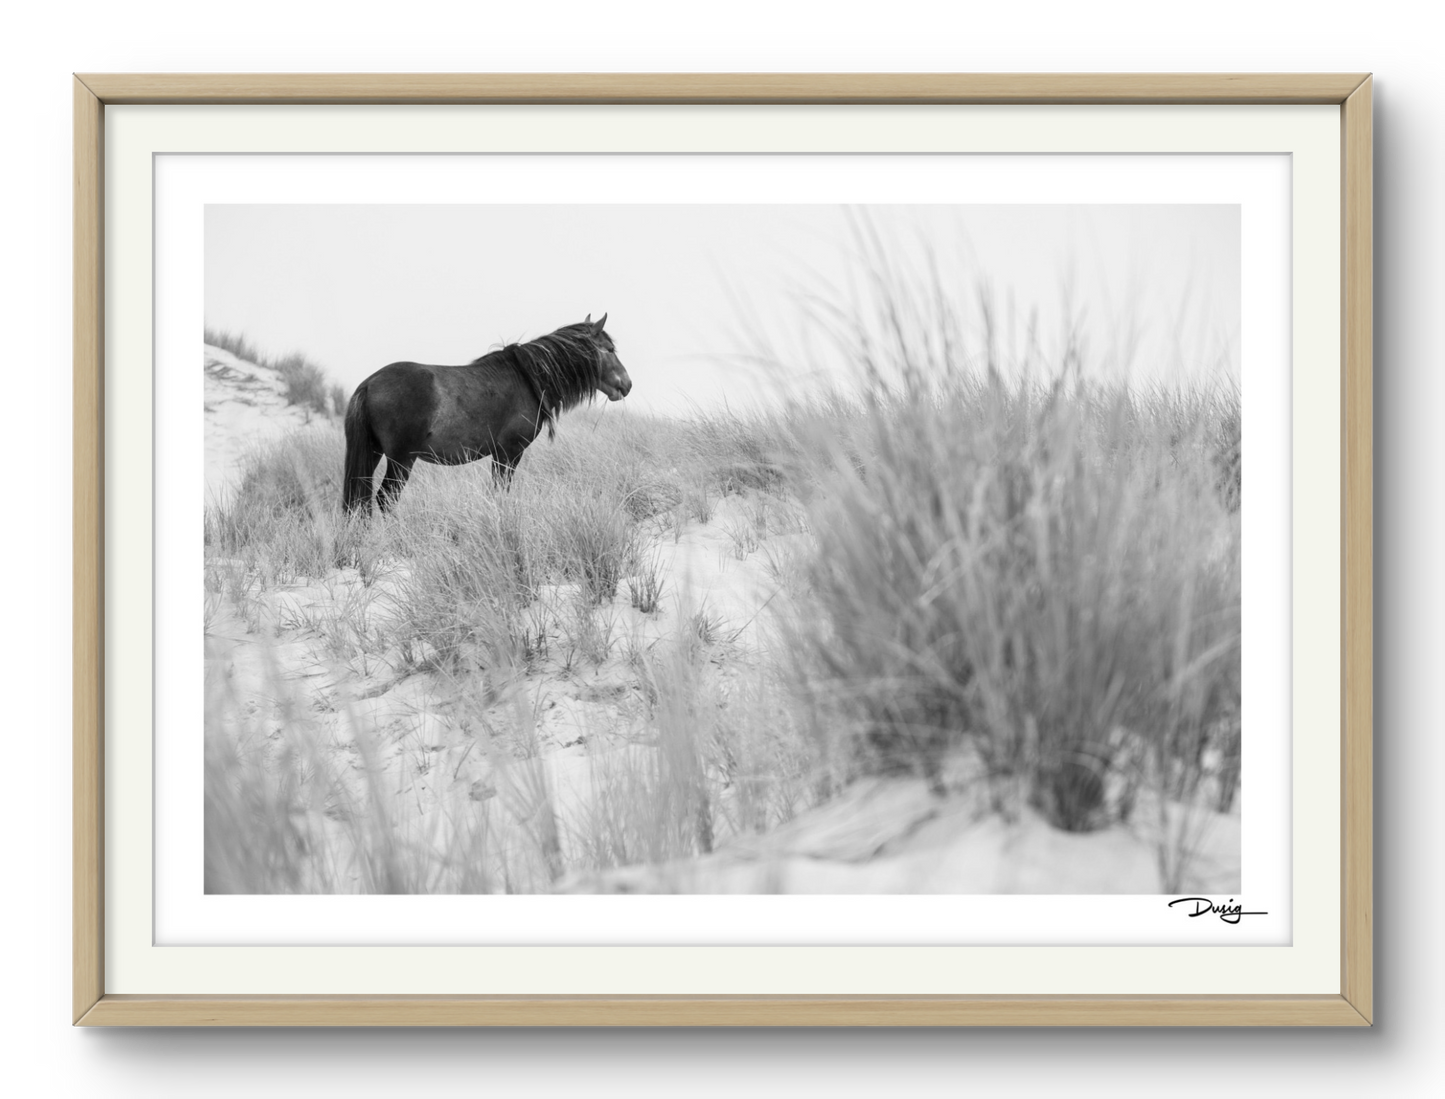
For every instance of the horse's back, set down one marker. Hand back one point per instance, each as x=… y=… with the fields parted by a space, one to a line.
x=448 y=414
x=402 y=378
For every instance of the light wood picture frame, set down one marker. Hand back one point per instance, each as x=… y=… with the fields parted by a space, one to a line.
x=1352 y=1005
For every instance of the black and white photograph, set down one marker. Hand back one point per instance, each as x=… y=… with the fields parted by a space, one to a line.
x=722 y=549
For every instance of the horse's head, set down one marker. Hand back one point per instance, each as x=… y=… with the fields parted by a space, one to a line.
x=612 y=376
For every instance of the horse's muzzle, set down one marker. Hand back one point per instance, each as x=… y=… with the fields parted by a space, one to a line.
x=616 y=388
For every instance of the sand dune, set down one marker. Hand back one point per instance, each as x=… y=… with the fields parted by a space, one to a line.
x=246 y=407
x=562 y=736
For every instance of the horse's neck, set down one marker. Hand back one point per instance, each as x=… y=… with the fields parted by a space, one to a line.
x=519 y=364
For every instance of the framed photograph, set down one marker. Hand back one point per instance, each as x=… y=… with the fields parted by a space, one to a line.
x=722 y=550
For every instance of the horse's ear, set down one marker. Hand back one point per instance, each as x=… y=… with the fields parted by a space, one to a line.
x=589 y=319
x=600 y=323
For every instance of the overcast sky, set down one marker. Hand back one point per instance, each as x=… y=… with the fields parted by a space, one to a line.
x=689 y=287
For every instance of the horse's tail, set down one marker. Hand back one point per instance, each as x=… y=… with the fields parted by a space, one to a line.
x=362 y=454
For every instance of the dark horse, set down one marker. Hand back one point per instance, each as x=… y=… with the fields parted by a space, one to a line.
x=454 y=414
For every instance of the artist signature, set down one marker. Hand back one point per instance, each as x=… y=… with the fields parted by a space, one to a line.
x=1229 y=912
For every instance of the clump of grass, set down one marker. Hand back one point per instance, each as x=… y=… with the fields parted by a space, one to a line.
x=652 y=496
x=1014 y=565
x=644 y=590
x=470 y=585
x=791 y=569
x=702 y=630
x=759 y=511
x=719 y=764
x=592 y=632
x=746 y=451
x=744 y=538
x=699 y=504
x=282 y=520
x=655 y=803
x=766 y=768
x=234 y=342
x=535 y=637
x=305 y=382
x=598 y=545
x=1023 y=572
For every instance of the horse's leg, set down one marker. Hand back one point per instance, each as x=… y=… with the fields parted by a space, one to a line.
x=357 y=494
x=395 y=480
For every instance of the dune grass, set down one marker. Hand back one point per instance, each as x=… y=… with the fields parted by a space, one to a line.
x=306 y=384
x=1016 y=576
x=474 y=589
x=1045 y=579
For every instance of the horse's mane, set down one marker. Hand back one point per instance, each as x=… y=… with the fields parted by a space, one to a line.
x=561 y=368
